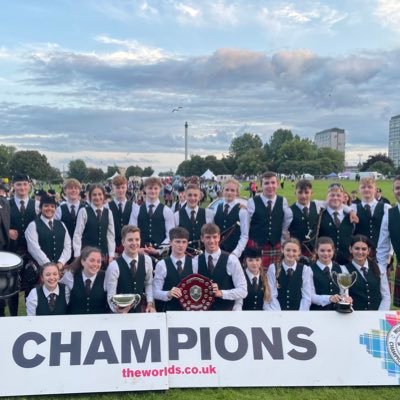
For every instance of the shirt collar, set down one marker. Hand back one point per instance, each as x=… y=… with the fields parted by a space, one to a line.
x=128 y=259
x=47 y=292
x=286 y=267
x=322 y=266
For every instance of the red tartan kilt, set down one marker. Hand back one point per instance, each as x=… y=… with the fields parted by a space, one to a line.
x=396 y=290
x=270 y=254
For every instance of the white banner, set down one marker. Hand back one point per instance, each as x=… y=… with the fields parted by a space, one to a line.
x=107 y=353
x=77 y=354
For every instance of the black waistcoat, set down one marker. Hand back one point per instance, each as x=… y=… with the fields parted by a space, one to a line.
x=172 y=279
x=393 y=225
x=324 y=285
x=152 y=229
x=120 y=220
x=95 y=302
x=302 y=226
x=366 y=294
x=51 y=242
x=266 y=228
x=229 y=240
x=370 y=226
x=255 y=298
x=66 y=217
x=128 y=284
x=194 y=229
x=20 y=222
x=289 y=290
x=95 y=232
x=219 y=276
x=43 y=302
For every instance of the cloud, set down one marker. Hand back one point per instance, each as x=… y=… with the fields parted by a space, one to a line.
x=388 y=11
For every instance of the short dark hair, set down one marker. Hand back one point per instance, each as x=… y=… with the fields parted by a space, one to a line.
x=178 y=233
x=210 y=229
x=303 y=184
x=129 y=229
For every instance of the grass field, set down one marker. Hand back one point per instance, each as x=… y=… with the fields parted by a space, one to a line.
x=362 y=393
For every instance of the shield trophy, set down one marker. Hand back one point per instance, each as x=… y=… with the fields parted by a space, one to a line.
x=197 y=293
x=125 y=300
x=344 y=281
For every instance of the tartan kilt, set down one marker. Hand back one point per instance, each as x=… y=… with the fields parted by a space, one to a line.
x=270 y=254
x=396 y=290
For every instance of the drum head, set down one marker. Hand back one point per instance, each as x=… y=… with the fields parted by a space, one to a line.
x=9 y=261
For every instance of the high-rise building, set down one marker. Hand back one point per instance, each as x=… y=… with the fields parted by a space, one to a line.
x=334 y=138
x=394 y=140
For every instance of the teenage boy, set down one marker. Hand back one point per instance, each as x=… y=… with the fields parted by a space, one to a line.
x=180 y=203
x=229 y=282
x=270 y=217
x=192 y=217
x=47 y=238
x=171 y=270
x=389 y=236
x=152 y=218
x=121 y=209
x=23 y=210
x=370 y=212
x=232 y=219
x=379 y=197
x=336 y=224
x=130 y=273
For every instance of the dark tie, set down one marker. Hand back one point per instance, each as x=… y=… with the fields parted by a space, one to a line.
x=52 y=302
x=22 y=208
x=179 y=267
x=51 y=224
x=88 y=284
x=365 y=272
x=367 y=208
x=133 y=268
x=73 y=212
x=151 y=206
x=192 y=216
x=98 y=212
x=226 y=209
x=120 y=208
x=289 y=272
x=305 y=211
x=210 y=264
x=269 y=207
x=255 y=284
x=327 y=272
x=336 y=219
x=177 y=206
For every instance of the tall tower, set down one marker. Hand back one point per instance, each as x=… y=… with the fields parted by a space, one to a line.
x=394 y=140
x=186 y=141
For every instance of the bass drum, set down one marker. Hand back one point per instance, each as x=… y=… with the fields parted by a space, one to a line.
x=10 y=265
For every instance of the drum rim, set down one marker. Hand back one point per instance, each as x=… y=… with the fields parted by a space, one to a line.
x=11 y=267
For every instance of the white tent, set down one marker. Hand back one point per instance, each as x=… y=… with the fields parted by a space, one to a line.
x=112 y=177
x=208 y=175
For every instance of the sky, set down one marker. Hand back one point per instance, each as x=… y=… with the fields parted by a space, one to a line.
x=98 y=79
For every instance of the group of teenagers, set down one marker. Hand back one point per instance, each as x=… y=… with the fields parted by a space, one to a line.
x=263 y=255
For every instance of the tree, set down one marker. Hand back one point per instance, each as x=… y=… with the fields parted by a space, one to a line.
x=242 y=144
x=133 y=171
x=195 y=166
x=148 y=171
x=166 y=173
x=111 y=170
x=95 y=174
x=278 y=138
x=77 y=169
x=30 y=162
x=251 y=163
x=382 y=167
x=54 y=175
x=372 y=159
x=6 y=153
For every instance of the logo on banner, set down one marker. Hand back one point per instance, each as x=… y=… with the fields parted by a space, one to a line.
x=384 y=343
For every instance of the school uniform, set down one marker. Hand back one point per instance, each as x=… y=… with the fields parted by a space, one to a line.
x=39 y=301
x=177 y=206
x=269 y=219
x=323 y=287
x=167 y=275
x=95 y=229
x=233 y=222
x=225 y=270
x=121 y=211
x=127 y=275
x=371 y=290
x=87 y=294
x=255 y=292
x=290 y=287
x=48 y=241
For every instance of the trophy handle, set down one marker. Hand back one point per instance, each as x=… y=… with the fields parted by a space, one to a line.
x=353 y=278
x=136 y=301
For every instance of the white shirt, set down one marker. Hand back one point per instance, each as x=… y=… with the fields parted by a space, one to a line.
x=160 y=274
x=233 y=269
x=209 y=214
x=32 y=299
x=287 y=212
x=58 y=214
x=80 y=227
x=305 y=301
x=112 y=276
x=68 y=279
x=384 y=248
x=26 y=200
x=34 y=249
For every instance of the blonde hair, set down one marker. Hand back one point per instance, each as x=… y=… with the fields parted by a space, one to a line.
x=368 y=180
x=234 y=182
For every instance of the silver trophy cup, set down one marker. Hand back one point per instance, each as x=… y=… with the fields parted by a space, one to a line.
x=125 y=300
x=344 y=282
